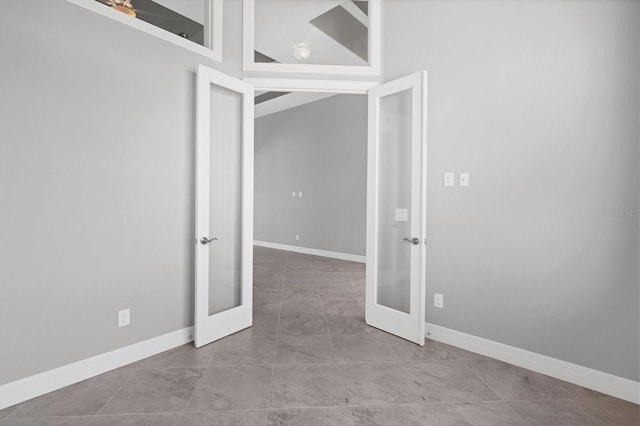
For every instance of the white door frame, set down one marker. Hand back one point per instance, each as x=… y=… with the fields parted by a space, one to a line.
x=209 y=328
x=418 y=300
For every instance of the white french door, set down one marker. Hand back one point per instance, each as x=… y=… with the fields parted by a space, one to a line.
x=396 y=207
x=224 y=206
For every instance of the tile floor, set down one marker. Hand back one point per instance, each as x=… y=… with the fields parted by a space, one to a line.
x=311 y=360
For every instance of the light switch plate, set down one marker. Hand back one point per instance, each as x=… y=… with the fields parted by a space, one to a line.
x=448 y=179
x=464 y=179
x=402 y=215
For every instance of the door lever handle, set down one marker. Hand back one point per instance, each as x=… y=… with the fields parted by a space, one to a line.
x=414 y=241
x=205 y=240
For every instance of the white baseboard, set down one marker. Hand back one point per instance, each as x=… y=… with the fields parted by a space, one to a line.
x=606 y=383
x=315 y=252
x=48 y=381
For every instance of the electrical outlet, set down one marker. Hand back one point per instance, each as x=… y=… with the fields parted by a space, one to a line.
x=124 y=317
x=300 y=194
x=293 y=194
x=438 y=300
x=464 y=179
x=297 y=237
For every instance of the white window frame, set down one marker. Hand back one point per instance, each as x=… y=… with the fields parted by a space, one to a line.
x=375 y=49
x=213 y=27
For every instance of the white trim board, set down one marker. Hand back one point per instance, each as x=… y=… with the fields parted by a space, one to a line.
x=30 y=387
x=312 y=251
x=213 y=37
x=302 y=85
x=606 y=383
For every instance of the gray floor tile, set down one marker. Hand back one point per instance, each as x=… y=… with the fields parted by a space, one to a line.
x=448 y=381
x=302 y=293
x=264 y=325
x=183 y=356
x=514 y=383
x=158 y=419
x=308 y=385
x=336 y=290
x=476 y=414
x=379 y=383
x=299 y=274
x=232 y=388
x=266 y=307
x=343 y=307
x=557 y=412
x=310 y=417
x=224 y=418
x=245 y=349
x=155 y=390
x=340 y=276
x=299 y=307
x=47 y=421
x=369 y=415
x=613 y=411
x=262 y=294
x=83 y=398
x=304 y=350
x=349 y=324
x=431 y=351
x=267 y=285
x=268 y=272
x=362 y=348
x=303 y=324
x=6 y=411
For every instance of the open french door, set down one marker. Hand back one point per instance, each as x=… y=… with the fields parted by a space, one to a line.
x=224 y=206
x=396 y=207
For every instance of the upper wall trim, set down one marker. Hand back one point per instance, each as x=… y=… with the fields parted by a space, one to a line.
x=375 y=49
x=298 y=85
x=213 y=38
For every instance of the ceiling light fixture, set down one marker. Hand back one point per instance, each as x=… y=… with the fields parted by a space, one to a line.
x=301 y=51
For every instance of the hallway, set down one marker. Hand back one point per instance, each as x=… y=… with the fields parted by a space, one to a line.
x=311 y=360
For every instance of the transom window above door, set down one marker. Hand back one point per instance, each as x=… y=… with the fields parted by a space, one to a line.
x=192 y=24
x=315 y=36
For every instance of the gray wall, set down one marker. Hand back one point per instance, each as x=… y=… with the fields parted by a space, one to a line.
x=538 y=100
x=320 y=149
x=96 y=183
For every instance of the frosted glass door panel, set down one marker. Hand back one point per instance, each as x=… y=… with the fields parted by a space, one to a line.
x=394 y=201
x=225 y=200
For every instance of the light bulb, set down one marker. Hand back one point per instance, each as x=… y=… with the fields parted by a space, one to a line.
x=301 y=51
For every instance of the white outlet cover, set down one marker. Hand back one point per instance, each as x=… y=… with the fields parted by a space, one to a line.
x=438 y=300
x=294 y=194
x=124 y=317
x=300 y=194
x=448 y=179
x=464 y=179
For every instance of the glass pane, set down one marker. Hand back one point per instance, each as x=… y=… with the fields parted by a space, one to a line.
x=182 y=17
x=328 y=32
x=394 y=202
x=225 y=209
